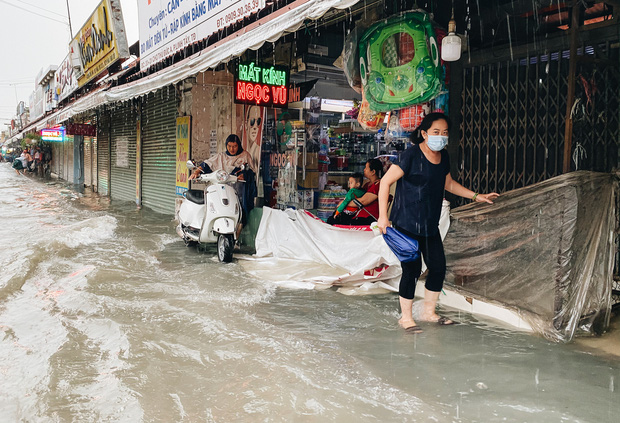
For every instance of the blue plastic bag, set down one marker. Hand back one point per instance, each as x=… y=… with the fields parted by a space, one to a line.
x=405 y=248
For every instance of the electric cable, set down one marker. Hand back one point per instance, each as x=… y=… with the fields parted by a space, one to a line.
x=35 y=13
x=45 y=10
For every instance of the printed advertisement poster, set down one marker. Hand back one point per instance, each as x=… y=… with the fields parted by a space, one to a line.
x=182 y=136
x=253 y=132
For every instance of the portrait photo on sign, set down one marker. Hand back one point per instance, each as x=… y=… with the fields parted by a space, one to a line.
x=253 y=130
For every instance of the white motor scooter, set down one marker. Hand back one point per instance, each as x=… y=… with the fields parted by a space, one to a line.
x=211 y=215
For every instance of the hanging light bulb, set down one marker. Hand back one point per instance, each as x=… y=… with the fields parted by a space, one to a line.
x=451 y=43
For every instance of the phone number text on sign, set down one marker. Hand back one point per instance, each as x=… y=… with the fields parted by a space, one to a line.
x=168 y=26
x=240 y=12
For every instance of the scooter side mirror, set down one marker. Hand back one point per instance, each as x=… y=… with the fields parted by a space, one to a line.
x=190 y=165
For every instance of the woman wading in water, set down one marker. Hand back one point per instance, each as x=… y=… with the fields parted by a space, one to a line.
x=423 y=173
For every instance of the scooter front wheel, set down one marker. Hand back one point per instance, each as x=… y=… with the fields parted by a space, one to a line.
x=225 y=246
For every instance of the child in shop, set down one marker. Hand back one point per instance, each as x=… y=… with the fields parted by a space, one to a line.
x=343 y=213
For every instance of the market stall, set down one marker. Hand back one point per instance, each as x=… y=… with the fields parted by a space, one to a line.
x=389 y=75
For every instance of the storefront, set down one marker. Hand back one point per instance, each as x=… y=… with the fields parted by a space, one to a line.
x=496 y=143
x=509 y=109
x=327 y=132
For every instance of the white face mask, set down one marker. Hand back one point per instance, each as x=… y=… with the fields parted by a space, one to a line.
x=437 y=142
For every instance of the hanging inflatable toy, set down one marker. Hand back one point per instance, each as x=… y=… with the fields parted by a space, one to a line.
x=399 y=62
x=367 y=118
x=411 y=117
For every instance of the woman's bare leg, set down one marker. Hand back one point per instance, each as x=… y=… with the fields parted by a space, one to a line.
x=429 y=313
x=406 y=309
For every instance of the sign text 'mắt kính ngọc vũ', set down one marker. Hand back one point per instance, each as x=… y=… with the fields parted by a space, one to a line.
x=261 y=85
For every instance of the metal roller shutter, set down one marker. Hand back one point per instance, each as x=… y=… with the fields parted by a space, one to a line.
x=94 y=163
x=57 y=158
x=68 y=159
x=103 y=153
x=88 y=165
x=159 y=113
x=123 y=160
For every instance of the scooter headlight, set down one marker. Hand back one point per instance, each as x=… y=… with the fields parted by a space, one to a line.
x=221 y=176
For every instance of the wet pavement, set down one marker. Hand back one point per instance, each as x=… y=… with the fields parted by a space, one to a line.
x=105 y=315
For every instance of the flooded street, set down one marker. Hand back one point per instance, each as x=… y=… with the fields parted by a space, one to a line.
x=106 y=316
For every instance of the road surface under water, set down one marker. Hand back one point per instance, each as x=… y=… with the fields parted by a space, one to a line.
x=105 y=316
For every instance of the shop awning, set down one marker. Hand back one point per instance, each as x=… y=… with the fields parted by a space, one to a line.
x=268 y=29
x=83 y=104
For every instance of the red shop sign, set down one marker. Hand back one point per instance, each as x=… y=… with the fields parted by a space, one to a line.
x=261 y=85
x=82 y=129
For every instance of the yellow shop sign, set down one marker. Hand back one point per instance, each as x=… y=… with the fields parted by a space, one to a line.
x=100 y=42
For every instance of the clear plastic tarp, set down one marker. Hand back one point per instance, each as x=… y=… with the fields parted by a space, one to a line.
x=545 y=251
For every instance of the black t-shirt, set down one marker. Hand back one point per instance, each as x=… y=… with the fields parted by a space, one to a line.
x=419 y=193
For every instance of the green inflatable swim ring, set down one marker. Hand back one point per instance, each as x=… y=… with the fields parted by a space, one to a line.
x=399 y=62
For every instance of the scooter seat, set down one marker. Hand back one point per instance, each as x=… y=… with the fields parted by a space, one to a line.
x=195 y=196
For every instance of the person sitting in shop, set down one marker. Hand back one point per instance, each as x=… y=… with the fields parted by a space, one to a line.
x=232 y=161
x=367 y=204
x=345 y=213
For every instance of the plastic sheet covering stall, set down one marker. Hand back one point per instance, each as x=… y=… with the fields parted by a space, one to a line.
x=297 y=250
x=545 y=250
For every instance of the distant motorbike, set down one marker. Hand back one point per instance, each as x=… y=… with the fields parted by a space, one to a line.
x=211 y=215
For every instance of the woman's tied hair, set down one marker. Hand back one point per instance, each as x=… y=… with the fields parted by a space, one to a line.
x=377 y=166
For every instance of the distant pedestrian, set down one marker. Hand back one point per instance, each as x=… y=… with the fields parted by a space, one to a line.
x=38 y=160
x=21 y=162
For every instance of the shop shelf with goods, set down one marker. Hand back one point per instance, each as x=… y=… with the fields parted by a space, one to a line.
x=298 y=183
x=349 y=152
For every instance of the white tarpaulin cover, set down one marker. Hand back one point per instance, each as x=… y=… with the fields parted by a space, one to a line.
x=296 y=249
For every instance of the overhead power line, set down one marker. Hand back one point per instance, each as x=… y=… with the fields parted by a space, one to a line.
x=16 y=81
x=34 y=13
x=45 y=10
